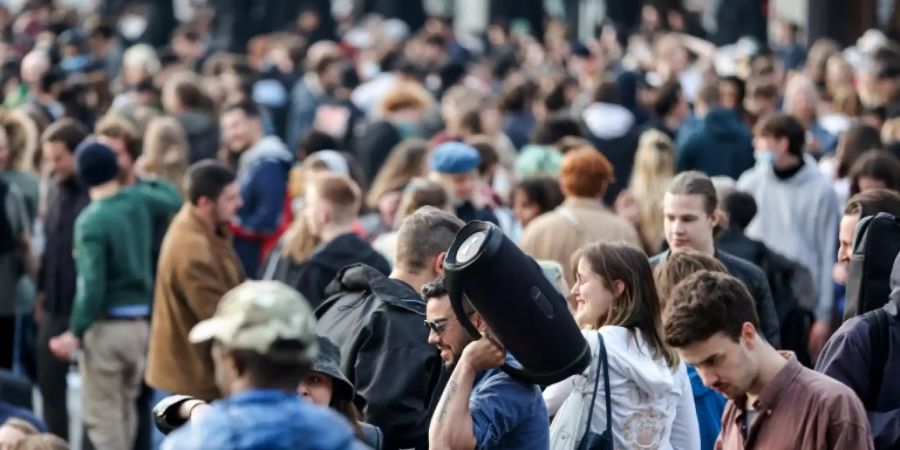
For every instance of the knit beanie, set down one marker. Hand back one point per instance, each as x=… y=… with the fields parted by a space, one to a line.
x=95 y=163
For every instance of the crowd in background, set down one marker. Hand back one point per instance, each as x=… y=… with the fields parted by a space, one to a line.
x=146 y=181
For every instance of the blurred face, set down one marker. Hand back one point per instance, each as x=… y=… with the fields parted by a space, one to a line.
x=523 y=208
x=450 y=338
x=729 y=94
x=869 y=183
x=845 y=236
x=723 y=364
x=228 y=204
x=767 y=143
x=118 y=146
x=461 y=186
x=238 y=131
x=4 y=151
x=315 y=211
x=591 y=297
x=60 y=160
x=9 y=437
x=317 y=387
x=686 y=222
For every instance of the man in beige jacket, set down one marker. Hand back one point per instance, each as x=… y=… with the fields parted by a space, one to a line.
x=584 y=176
x=197 y=266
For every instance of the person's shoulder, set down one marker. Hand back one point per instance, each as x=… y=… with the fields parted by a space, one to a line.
x=828 y=392
x=540 y=224
x=740 y=266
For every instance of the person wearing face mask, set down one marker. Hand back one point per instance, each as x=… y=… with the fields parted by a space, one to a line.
x=774 y=402
x=691 y=219
x=400 y=114
x=801 y=211
x=615 y=297
x=482 y=407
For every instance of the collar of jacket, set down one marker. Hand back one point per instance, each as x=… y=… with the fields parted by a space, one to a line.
x=364 y=278
x=583 y=203
x=190 y=215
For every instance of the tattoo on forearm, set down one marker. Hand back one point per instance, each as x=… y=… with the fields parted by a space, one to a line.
x=448 y=397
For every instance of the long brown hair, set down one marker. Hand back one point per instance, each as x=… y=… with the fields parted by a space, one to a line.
x=638 y=307
x=164 y=133
x=405 y=162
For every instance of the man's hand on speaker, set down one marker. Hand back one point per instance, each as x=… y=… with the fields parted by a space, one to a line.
x=483 y=354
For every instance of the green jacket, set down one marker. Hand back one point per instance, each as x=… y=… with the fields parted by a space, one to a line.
x=113 y=238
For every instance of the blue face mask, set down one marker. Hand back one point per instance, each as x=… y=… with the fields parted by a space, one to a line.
x=407 y=129
x=766 y=157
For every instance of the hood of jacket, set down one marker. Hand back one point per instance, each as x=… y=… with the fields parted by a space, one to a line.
x=269 y=148
x=630 y=354
x=367 y=279
x=196 y=122
x=724 y=123
x=607 y=120
x=343 y=250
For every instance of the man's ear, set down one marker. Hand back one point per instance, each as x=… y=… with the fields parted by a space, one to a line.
x=438 y=267
x=478 y=322
x=749 y=334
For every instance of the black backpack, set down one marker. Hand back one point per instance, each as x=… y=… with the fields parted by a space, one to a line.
x=875 y=246
x=794 y=293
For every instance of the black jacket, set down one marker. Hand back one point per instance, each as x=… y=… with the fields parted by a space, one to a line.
x=756 y=283
x=312 y=276
x=377 y=323
x=57 y=274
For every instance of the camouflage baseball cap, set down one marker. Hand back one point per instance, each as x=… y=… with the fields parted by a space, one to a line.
x=267 y=317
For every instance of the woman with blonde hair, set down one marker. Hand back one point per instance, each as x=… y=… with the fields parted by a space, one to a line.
x=165 y=150
x=617 y=306
x=654 y=168
x=19 y=140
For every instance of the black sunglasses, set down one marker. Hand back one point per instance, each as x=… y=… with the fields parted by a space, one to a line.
x=438 y=325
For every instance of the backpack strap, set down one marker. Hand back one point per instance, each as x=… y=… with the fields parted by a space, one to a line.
x=878 y=339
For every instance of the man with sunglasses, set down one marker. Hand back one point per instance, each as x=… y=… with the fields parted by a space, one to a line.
x=481 y=407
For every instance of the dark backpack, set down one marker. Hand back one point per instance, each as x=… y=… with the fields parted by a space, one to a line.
x=879 y=335
x=793 y=292
x=875 y=246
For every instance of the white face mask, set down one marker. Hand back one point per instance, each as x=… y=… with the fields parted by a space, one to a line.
x=132 y=26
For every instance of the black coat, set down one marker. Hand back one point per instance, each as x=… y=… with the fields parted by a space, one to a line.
x=377 y=323
x=312 y=276
x=57 y=274
x=373 y=146
x=755 y=280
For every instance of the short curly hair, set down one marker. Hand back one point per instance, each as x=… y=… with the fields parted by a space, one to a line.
x=585 y=172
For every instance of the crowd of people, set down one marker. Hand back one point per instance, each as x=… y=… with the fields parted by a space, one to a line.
x=243 y=246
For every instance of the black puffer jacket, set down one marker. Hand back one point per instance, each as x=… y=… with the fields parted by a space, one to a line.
x=755 y=280
x=377 y=323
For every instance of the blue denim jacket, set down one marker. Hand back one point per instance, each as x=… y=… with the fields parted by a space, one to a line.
x=507 y=413
x=265 y=420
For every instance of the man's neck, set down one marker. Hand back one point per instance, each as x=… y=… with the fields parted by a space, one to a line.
x=787 y=162
x=105 y=190
x=770 y=363
x=415 y=280
x=329 y=232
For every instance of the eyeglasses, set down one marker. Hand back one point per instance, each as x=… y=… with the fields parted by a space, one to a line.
x=438 y=325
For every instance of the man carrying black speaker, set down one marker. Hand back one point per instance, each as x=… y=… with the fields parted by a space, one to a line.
x=481 y=406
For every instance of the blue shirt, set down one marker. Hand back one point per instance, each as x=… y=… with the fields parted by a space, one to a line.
x=507 y=413
x=710 y=405
x=265 y=420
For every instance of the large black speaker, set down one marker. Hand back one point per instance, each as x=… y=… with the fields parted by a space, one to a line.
x=523 y=309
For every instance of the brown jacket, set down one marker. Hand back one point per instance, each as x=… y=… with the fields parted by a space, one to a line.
x=798 y=410
x=196 y=268
x=556 y=235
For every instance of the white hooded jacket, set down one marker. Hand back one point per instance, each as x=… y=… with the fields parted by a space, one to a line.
x=652 y=405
